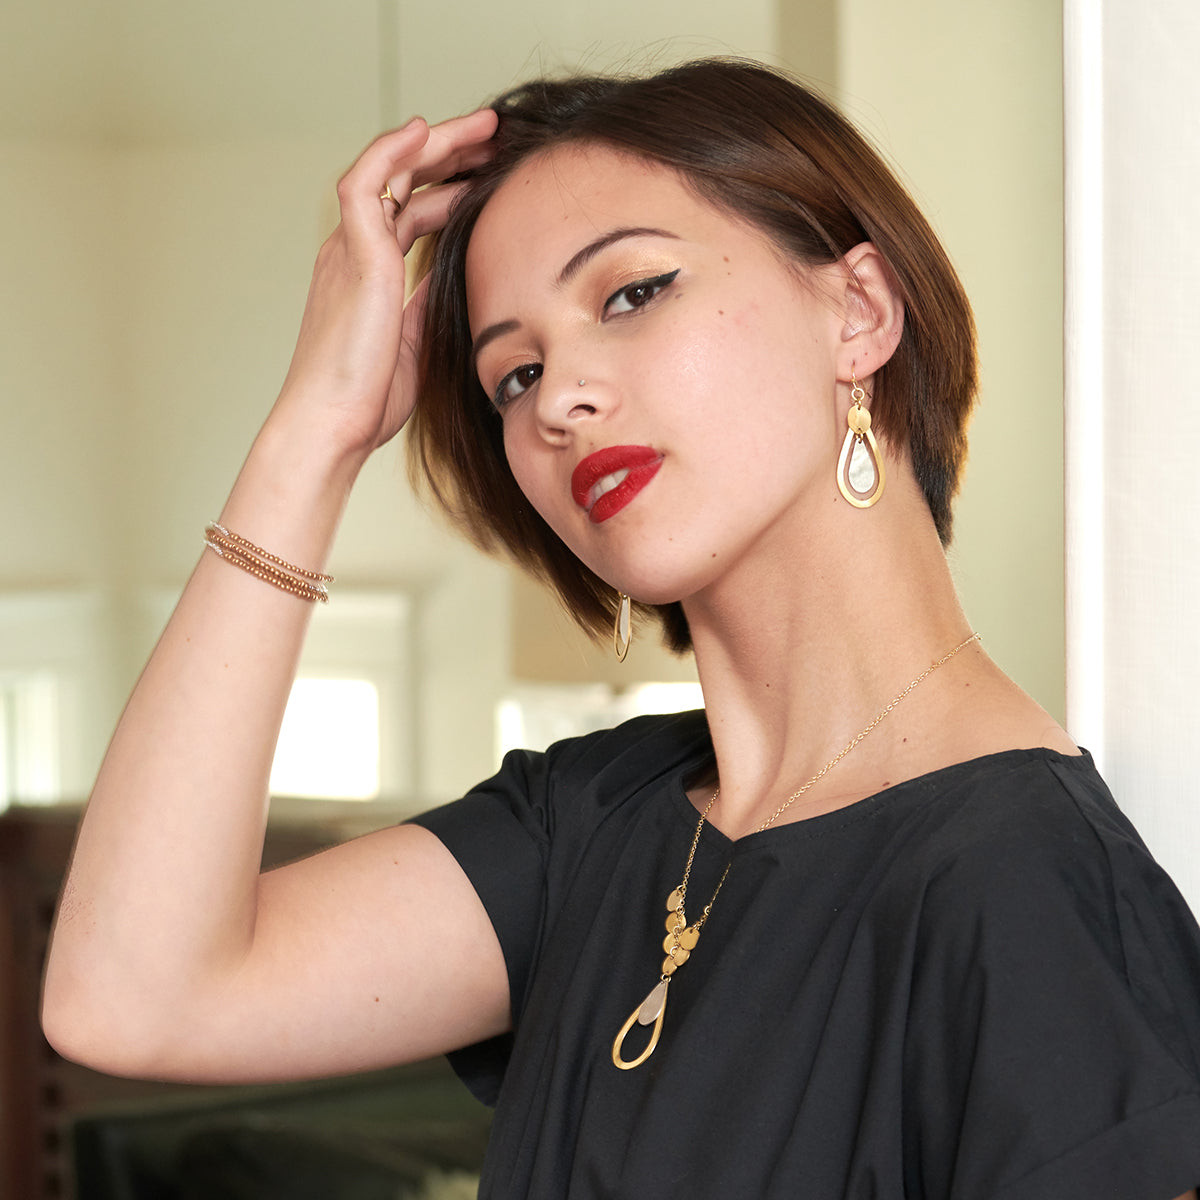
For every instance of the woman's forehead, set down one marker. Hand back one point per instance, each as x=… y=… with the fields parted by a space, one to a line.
x=558 y=201
x=573 y=186
x=567 y=160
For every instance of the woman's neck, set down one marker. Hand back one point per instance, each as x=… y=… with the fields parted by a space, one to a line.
x=798 y=651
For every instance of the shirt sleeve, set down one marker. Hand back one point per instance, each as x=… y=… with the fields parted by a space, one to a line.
x=498 y=834
x=1054 y=1033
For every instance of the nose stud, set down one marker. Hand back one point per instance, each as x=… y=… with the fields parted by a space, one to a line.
x=582 y=382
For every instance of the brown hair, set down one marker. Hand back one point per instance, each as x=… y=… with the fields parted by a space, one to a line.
x=759 y=145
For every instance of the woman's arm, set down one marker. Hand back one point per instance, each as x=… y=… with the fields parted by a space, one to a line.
x=171 y=957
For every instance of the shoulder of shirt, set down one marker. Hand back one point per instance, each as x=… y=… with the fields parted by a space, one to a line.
x=579 y=781
x=1027 y=823
x=1018 y=795
x=643 y=743
x=1029 y=866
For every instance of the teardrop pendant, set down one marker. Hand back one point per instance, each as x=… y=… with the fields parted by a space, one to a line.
x=654 y=1004
x=653 y=1008
x=622 y=627
x=860 y=474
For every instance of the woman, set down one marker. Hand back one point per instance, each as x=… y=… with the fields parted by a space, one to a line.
x=870 y=925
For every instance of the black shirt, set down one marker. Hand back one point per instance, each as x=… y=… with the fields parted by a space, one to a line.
x=974 y=984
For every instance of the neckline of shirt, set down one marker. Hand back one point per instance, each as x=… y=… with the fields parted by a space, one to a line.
x=823 y=824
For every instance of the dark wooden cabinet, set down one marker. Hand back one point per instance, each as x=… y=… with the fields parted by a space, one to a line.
x=37 y=1088
x=43 y=1097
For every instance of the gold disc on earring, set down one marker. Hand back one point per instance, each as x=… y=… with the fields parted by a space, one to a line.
x=859 y=419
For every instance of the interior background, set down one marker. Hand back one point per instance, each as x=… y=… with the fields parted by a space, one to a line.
x=167 y=174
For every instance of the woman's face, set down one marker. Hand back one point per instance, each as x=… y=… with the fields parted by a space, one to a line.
x=666 y=382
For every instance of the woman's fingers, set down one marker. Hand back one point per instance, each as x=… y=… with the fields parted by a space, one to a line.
x=427 y=208
x=360 y=188
x=455 y=145
x=426 y=211
x=411 y=157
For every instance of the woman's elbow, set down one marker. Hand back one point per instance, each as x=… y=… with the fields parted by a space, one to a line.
x=99 y=1033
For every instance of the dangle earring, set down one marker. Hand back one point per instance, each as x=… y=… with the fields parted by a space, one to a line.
x=860 y=476
x=622 y=627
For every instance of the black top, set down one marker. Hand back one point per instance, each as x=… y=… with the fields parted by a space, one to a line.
x=974 y=984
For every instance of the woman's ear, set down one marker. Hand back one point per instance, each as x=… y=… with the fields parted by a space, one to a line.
x=873 y=312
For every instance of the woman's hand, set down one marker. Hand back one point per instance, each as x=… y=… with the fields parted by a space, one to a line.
x=354 y=368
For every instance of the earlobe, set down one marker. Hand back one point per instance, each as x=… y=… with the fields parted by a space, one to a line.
x=874 y=311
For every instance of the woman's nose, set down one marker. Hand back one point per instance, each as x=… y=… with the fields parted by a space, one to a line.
x=568 y=399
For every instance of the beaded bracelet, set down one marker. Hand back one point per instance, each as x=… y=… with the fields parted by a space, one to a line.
x=278 y=572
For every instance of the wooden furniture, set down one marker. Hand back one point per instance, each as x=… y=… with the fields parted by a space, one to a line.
x=42 y=1096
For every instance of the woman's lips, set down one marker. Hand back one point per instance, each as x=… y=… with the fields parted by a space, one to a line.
x=604 y=482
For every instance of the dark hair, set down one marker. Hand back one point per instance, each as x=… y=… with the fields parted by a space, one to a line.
x=754 y=143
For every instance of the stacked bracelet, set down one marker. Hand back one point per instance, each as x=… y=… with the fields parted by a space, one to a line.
x=235 y=549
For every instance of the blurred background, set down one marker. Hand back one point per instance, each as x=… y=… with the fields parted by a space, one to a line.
x=167 y=175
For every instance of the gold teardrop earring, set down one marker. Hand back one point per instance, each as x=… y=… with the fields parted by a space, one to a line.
x=622 y=627
x=860 y=474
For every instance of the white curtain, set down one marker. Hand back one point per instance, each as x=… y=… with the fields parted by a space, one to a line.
x=1132 y=153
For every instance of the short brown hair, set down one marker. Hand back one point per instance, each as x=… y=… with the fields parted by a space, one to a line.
x=757 y=144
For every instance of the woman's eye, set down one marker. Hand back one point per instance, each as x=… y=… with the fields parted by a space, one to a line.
x=516 y=382
x=637 y=294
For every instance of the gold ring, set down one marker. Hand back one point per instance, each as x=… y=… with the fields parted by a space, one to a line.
x=386 y=195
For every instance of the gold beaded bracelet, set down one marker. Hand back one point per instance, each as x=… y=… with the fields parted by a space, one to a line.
x=278 y=572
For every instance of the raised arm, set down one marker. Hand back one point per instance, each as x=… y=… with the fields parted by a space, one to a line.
x=171 y=957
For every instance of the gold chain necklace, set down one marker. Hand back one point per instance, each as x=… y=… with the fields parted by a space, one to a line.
x=681 y=937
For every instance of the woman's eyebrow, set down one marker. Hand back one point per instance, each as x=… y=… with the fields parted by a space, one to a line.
x=603 y=242
x=573 y=266
x=490 y=334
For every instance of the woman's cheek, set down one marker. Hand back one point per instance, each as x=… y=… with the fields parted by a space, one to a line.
x=698 y=358
x=537 y=487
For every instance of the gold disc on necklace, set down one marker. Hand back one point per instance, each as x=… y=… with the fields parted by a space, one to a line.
x=675 y=920
x=689 y=937
x=675 y=900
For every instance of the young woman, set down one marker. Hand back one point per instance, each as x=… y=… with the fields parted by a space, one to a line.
x=868 y=926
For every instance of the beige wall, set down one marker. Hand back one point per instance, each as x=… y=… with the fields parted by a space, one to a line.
x=163 y=192
x=967 y=98
x=58 y=334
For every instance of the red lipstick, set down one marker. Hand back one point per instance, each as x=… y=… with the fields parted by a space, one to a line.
x=602 y=497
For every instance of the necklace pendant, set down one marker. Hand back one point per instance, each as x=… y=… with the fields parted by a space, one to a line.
x=652 y=1009
x=654 y=1004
